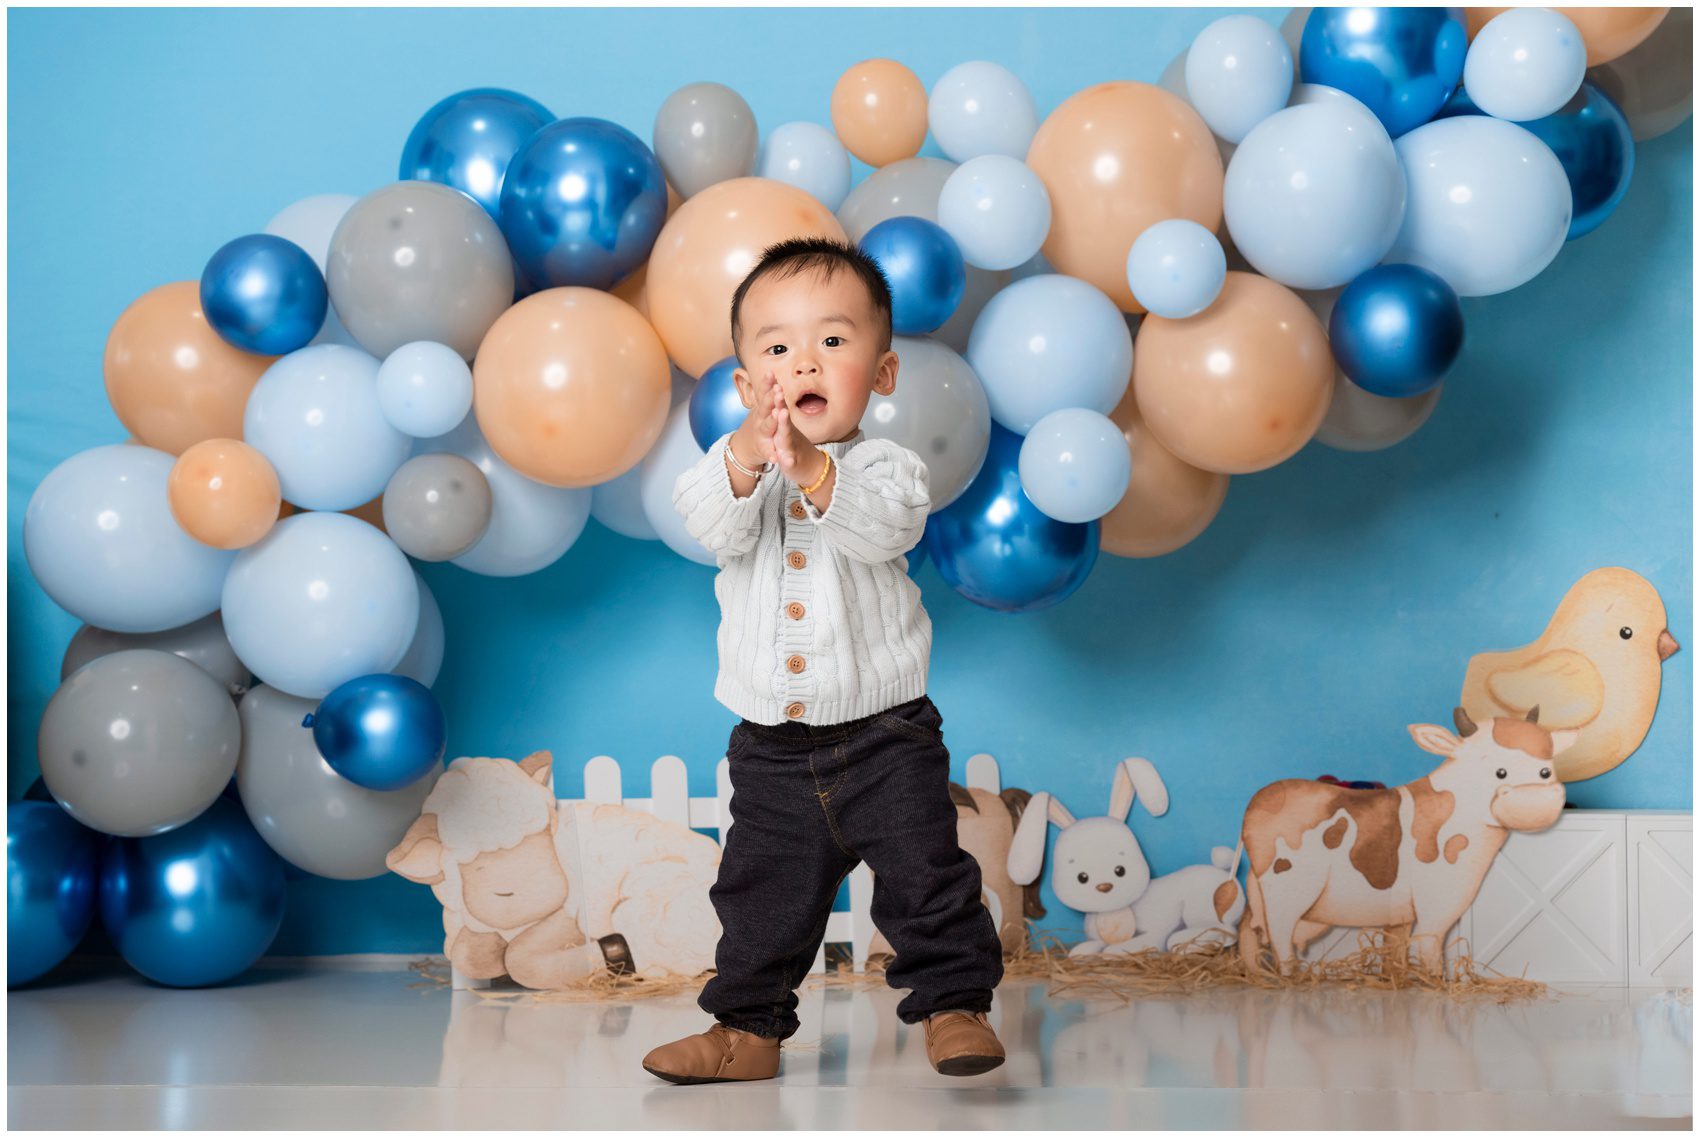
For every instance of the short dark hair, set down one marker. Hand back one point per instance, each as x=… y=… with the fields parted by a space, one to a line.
x=800 y=254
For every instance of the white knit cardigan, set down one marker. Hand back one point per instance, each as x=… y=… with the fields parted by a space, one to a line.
x=843 y=636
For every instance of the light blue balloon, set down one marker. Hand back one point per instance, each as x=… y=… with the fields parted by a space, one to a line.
x=316 y=417
x=979 y=108
x=1239 y=71
x=424 y=389
x=531 y=525
x=319 y=600
x=997 y=209
x=1176 y=268
x=1049 y=342
x=100 y=538
x=1314 y=195
x=618 y=504
x=1525 y=64
x=1489 y=206
x=810 y=157
x=674 y=453
x=1075 y=465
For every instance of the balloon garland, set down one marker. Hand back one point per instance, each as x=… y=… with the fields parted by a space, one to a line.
x=480 y=356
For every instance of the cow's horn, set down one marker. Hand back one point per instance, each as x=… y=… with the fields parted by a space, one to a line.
x=1461 y=719
x=1534 y=715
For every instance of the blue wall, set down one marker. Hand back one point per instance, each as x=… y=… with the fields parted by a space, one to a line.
x=1336 y=598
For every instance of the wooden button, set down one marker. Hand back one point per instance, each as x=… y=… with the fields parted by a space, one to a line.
x=795 y=559
x=794 y=610
x=795 y=711
x=796 y=509
x=795 y=664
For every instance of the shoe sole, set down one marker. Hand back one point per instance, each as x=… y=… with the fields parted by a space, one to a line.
x=694 y=1080
x=969 y=1064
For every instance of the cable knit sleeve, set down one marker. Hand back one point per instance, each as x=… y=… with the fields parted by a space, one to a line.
x=723 y=522
x=879 y=502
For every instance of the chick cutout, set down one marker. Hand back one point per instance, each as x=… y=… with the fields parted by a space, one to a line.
x=1596 y=669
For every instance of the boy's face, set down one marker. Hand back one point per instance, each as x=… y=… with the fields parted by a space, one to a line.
x=819 y=338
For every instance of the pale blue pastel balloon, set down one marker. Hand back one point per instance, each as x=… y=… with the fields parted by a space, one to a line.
x=1525 y=64
x=1075 y=465
x=997 y=210
x=1176 y=268
x=618 y=504
x=1489 y=207
x=810 y=157
x=424 y=389
x=531 y=525
x=1314 y=195
x=100 y=538
x=315 y=415
x=1239 y=71
x=981 y=108
x=321 y=599
x=673 y=453
x=1049 y=342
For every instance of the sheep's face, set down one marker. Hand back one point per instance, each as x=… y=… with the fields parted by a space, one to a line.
x=508 y=888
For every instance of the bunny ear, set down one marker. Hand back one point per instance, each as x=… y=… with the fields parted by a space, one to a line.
x=1027 y=850
x=1138 y=775
x=1059 y=814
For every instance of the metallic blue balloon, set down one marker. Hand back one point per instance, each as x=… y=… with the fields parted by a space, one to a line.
x=264 y=294
x=994 y=547
x=924 y=267
x=52 y=880
x=468 y=139
x=1591 y=137
x=716 y=407
x=382 y=731
x=1401 y=63
x=196 y=905
x=582 y=204
x=1396 y=330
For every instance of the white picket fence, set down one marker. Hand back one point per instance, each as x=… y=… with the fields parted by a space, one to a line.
x=670 y=798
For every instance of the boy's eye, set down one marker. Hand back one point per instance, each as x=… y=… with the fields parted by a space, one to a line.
x=777 y=348
x=840 y=340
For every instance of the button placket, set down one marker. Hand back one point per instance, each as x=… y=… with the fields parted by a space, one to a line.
x=796 y=685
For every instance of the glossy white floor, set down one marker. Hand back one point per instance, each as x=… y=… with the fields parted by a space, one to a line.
x=99 y=1048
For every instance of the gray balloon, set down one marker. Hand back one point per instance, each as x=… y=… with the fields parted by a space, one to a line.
x=313 y=817
x=437 y=506
x=705 y=133
x=939 y=411
x=418 y=261
x=138 y=742
x=424 y=657
x=202 y=643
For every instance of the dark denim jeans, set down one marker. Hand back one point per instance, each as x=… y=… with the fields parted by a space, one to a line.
x=808 y=804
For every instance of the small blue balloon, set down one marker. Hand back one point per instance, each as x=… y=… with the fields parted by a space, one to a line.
x=1401 y=63
x=1176 y=268
x=196 y=905
x=382 y=731
x=716 y=406
x=582 y=204
x=924 y=268
x=995 y=547
x=264 y=294
x=1396 y=329
x=468 y=140
x=52 y=881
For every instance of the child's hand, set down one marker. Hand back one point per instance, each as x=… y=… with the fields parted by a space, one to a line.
x=755 y=436
x=798 y=458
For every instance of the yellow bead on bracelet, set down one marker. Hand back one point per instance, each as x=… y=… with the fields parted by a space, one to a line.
x=809 y=490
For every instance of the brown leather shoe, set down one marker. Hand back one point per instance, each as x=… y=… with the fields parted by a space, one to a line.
x=719 y=1055
x=962 y=1044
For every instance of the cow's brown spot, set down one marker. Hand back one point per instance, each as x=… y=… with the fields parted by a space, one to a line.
x=1335 y=834
x=1282 y=865
x=1455 y=846
x=1521 y=735
x=1375 y=852
x=1430 y=809
x=1223 y=898
x=1283 y=811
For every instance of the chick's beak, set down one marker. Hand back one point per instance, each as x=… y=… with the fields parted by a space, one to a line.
x=1667 y=645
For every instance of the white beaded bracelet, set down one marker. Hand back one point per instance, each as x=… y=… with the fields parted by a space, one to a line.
x=765 y=467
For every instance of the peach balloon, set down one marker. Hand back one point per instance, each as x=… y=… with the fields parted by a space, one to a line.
x=170 y=377
x=224 y=493
x=707 y=250
x=571 y=386
x=1115 y=159
x=1607 y=32
x=879 y=110
x=1242 y=385
x=1167 y=502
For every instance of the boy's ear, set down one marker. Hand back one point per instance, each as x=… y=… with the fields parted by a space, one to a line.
x=746 y=389
x=885 y=377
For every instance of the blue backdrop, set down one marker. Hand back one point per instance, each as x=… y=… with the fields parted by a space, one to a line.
x=1335 y=599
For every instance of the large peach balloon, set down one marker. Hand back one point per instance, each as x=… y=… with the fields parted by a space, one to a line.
x=571 y=386
x=1607 y=32
x=1115 y=159
x=224 y=493
x=879 y=111
x=170 y=377
x=1167 y=503
x=706 y=251
x=1242 y=385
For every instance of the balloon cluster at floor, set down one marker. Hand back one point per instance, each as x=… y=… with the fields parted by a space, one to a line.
x=1101 y=316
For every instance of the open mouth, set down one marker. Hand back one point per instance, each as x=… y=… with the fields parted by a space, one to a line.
x=811 y=404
